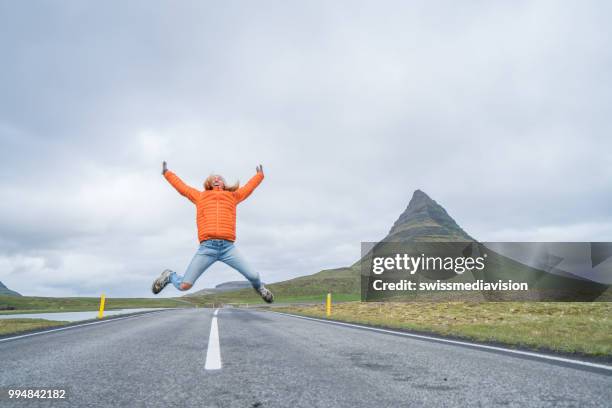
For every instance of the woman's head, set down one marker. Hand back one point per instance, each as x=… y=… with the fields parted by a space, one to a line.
x=217 y=182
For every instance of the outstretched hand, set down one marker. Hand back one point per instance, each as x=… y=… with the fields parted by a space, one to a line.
x=164 y=167
x=259 y=169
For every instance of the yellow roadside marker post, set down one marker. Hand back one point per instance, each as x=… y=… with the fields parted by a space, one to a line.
x=328 y=305
x=102 y=301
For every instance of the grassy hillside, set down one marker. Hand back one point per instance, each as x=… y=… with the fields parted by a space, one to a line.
x=342 y=282
x=19 y=304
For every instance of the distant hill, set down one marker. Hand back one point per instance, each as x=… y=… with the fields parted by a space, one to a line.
x=6 y=291
x=222 y=287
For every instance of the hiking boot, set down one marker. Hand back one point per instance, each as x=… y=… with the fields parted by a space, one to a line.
x=161 y=281
x=265 y=294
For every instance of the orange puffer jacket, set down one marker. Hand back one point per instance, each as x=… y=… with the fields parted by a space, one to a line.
x=215 y=209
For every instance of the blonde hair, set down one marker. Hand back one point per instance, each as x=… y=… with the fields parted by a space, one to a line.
x=208 y=183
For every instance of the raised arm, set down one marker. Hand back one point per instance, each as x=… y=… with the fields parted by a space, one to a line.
x=185 y=190
x=243 y=192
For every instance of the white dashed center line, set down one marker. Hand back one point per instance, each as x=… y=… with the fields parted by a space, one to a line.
x=213 y=354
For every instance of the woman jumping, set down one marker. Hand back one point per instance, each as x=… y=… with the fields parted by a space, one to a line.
x=216 y=219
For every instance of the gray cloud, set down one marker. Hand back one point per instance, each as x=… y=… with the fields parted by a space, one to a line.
x=498 y=111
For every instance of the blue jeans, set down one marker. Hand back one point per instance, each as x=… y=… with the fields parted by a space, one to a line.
x=209 y=252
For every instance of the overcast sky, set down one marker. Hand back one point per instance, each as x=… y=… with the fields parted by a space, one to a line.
x=499 y=111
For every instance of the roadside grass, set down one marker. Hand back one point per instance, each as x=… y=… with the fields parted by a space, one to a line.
x=584 y=328
x=12 y=326
x=32 y=304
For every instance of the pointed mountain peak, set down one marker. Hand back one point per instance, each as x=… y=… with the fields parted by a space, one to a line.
x=425 y=219
x=420 y=193
x=419 y=199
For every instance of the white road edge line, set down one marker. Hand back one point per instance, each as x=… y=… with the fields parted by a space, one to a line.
x=463 y=343
x=213 y=353
x=78 y=325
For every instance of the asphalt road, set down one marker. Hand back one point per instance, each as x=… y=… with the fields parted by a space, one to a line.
x=272 y=360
